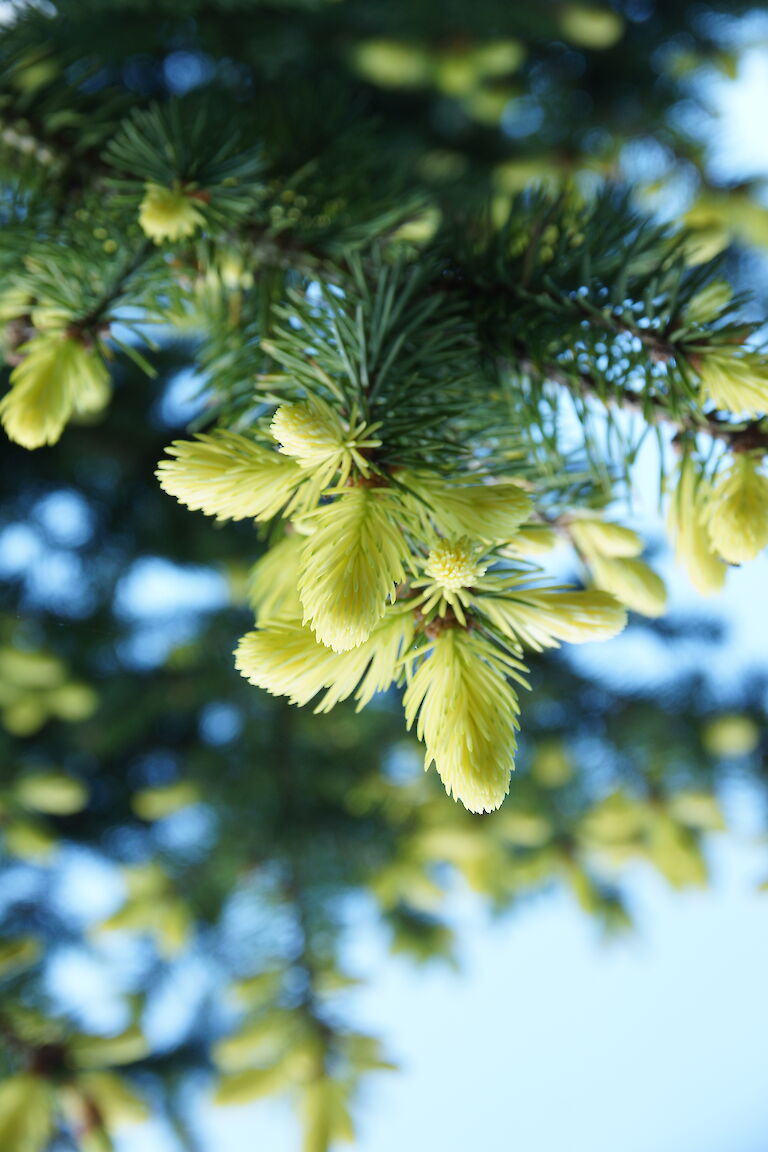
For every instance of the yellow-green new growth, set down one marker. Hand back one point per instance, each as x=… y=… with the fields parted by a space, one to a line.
x=738 y=511
x=168 y=213
x=350 y=566
x=312 y=432
x=632 y=582
x=491 y=513
x=595 y=536
x=27 y=1104
x=452 y=567
x=228 y=476
x=285 y=659
x=273 y=581
x=117 y=1103
x=709 y=302
x=686 y=520
x=58 y=377
x=466 y=711
x=541 y=618
x=611 y=551
x=734 y=379
x=532 y=539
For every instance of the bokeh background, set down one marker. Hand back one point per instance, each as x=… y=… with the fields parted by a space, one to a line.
x=206 y=895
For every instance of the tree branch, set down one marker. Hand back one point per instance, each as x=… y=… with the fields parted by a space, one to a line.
x=748 y=437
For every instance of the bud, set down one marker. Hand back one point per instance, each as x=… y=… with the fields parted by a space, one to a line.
x=104 y=1051
x=697 y=809
x=228 y=476
x=453 y=565
x=530 y=540
x=734 y=379
x=350 y=566
x=498 y=57
x=706 y=236
x=731 y=734
x=285 y=659
x=452 y=568
x=247 y=1084
x=541 y=618
x=686 y=520
x=168 y=213
x=457 y=73
x=58 y=377
x=52 y=793
x=632 y=582
x=590 y=26
x=115 y=1100
x=709 y=302
x=738 y=511
x=309 y=431
x=595 y=536
x=393 y=63
x=420 y=228
x=492 y=513
x=26 y=1112
x=551 y=765
x=164 y=799
x=273 y=581
x=467 y=717
x=312 y=432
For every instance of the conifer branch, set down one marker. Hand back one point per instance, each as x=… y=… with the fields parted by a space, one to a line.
x=653 y=408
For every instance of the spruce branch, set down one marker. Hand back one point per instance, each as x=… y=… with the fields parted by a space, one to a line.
x=117 y=289
x=653 y=407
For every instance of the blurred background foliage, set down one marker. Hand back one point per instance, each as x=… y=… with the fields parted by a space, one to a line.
x=222 y=823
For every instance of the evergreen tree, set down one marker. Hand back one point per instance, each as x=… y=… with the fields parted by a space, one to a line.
x=434 y=317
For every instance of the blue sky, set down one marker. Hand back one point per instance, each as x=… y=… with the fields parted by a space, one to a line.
x=553 y=1040
x=549 y=1039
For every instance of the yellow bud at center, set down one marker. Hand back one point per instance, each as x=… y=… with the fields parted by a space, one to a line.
x=309 y=434
x=452 y=564
x=168 y=213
